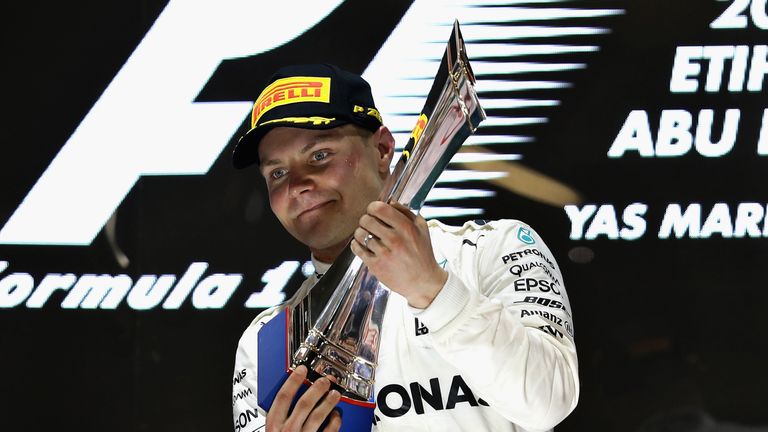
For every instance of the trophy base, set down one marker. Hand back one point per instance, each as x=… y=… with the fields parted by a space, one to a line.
x=274 y=367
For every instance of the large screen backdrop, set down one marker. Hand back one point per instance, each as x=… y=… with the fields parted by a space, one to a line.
x=632 y=135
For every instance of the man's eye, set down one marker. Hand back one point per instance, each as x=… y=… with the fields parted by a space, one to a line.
x=276 y=174
x=318 y=156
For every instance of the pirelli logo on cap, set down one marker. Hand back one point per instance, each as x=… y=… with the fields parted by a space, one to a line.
x=291 y=90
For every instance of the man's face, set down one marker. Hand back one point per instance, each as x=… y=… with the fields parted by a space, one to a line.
x=321 y=181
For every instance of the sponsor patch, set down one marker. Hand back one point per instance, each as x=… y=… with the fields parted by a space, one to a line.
x=524 y=235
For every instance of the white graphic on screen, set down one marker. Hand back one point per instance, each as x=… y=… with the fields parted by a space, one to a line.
x=495 y=32
x=146 y=123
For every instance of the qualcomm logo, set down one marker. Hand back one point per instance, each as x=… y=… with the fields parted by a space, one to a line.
x=147 y=123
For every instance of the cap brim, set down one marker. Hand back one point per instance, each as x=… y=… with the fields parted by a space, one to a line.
x=246 y=151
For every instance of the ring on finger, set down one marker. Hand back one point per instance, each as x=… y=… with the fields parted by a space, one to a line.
x=367 y=239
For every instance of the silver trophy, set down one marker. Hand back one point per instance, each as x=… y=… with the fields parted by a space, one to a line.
x=334 y=329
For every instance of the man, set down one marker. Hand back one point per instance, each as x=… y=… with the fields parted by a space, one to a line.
x=477 y=330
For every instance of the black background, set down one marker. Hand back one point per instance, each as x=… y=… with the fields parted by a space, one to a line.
x=668 y=331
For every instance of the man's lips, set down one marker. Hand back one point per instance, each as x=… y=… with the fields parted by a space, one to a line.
x=312 y=208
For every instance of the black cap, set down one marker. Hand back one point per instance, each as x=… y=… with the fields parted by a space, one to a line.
x=309 y=96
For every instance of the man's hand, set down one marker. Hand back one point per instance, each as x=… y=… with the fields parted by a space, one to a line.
x=311 y=409
x=398 y=251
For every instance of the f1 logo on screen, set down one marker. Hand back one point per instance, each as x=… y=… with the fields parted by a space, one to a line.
x=154 y=92
x=147 y=115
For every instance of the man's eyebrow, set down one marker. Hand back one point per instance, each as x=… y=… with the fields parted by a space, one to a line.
x=315 y=141
x=268 y=163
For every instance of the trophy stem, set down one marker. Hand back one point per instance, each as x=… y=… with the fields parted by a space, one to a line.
x=344 y=340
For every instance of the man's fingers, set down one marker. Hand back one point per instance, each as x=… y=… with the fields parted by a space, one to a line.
x=312 y=408
x=363 y=253
x=395 y=216
x=282 y=403
x=366 y=240
x=334 y=424
x=307 y=403
x=403 y=209
x=375 y=226
x=321 y=411
x=387 y=215
x=361 y=236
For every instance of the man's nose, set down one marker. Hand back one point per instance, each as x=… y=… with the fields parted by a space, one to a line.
x=300 y=181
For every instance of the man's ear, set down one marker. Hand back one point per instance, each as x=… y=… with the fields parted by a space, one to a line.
x=385 y=145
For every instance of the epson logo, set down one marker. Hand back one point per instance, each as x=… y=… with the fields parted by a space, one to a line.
x=542 y=285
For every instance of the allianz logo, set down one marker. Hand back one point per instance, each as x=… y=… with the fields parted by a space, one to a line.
x=105 y=291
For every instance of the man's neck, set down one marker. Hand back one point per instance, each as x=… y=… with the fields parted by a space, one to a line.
x=329 y=255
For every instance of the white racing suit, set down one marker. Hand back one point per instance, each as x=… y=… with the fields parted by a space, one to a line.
x=493 y=352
